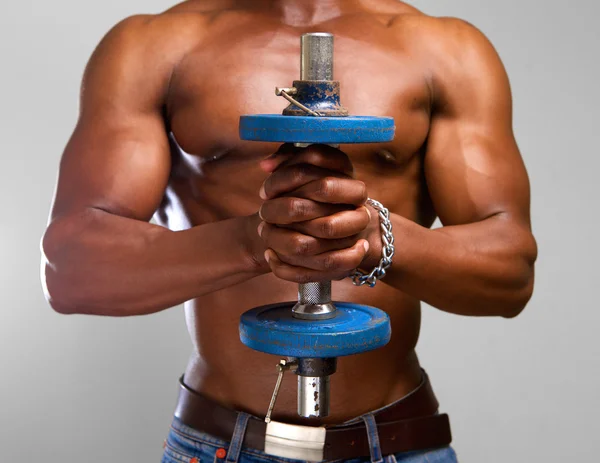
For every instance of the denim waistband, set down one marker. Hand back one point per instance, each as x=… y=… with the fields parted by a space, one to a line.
x=186 y=440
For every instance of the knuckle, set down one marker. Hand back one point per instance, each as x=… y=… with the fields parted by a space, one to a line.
x=297 y=207
x=299 y=173
x=328 y=228
x=326 y=187
x=300 y=245
x=314 y=154
x=331 y=263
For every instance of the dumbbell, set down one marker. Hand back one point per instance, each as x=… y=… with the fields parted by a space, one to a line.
x=312 y=332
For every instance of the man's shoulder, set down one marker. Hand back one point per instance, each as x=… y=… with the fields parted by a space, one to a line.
x=453 y=53
x=147 y=47
x=447 y=36
x=159 y=34
x=187 y=20
x=136 y=58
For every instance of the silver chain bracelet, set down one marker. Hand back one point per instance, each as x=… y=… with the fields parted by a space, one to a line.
x=359 y=278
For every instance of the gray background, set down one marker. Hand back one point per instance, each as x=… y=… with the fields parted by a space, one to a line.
x=523 y=390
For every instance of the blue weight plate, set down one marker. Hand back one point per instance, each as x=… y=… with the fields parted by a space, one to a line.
x=309 y=129
x=273 y=330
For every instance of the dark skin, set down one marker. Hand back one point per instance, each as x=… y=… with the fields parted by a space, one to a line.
x=239 y=228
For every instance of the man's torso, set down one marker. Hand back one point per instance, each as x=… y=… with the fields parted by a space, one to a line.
x=237 y=58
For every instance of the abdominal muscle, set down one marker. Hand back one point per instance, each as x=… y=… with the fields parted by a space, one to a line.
x=225 y=370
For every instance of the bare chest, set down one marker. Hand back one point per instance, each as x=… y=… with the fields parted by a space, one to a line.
x=237 y=74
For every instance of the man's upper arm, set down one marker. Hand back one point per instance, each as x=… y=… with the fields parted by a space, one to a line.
x=473 y=166
x=118 y=156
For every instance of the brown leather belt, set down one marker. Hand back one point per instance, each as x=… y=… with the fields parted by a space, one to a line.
x=410 y=424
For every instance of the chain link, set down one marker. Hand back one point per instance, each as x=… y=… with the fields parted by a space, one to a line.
x=360 y=278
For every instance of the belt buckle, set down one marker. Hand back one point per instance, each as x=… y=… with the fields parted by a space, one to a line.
x=294 y=441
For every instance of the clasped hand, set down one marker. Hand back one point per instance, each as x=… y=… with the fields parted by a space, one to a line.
x=315 y=224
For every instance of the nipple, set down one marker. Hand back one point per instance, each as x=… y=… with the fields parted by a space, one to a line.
x=387 y=156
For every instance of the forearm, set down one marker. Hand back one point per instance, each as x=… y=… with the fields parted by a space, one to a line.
x=479 y=269
x=102 y=264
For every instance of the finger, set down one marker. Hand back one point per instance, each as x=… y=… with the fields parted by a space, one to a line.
x=334 y=190
x=290 y=243
x=324 y=156
x=341 y=225
x=288 y=210
x=270 y=163
x=291 y=177
x=303 y=275
x=318 y=155
x=336 y=262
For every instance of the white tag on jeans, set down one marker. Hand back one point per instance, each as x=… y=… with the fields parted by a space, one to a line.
x=294 y=441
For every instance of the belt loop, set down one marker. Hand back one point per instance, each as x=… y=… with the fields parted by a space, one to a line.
x=373 y=436
x=238 y=438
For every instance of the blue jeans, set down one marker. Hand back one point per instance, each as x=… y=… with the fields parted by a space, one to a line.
x=186 y=445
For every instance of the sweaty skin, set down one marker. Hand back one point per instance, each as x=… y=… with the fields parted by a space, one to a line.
x=157 y=137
